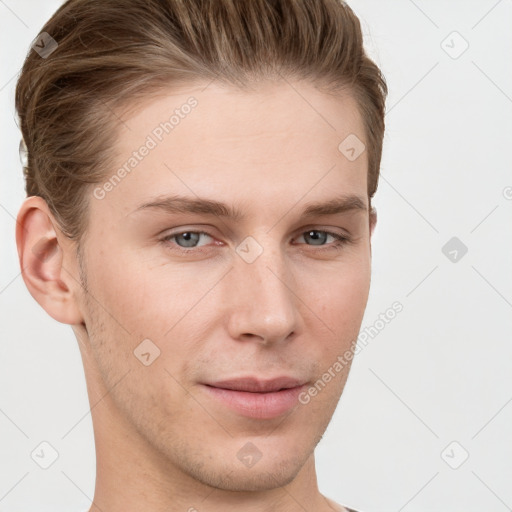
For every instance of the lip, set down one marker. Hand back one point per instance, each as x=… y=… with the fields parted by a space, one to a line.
x=256 y=398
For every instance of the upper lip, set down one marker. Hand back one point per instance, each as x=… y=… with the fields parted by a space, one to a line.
x=256 y=385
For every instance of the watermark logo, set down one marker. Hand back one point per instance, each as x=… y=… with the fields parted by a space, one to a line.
x=454 y=249
x=152 y=140
x=44 y=455
x=342 y=361
x=44 y=44
x=146 y=352
x=454 y=45
x=352 y=147
x=249 y=249
x=249 y=454
x=455 y=455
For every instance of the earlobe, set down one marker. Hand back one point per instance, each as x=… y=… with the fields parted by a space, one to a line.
x=41 y=255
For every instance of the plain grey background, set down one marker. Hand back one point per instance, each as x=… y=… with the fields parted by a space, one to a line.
x=425 y=419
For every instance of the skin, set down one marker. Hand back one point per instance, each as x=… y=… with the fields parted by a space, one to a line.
x=160 y=437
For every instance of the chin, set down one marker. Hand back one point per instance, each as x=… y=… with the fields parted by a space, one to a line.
x=258 y=478
x=220 y=468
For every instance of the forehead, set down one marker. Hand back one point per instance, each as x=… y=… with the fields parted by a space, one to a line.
x=213 y=140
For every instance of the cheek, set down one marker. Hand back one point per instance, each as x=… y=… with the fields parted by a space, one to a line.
x=340 y=297
x=136 y=297
x=339 y=309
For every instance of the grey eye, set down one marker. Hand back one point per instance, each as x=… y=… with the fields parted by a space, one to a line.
x=316 y=237
x=189 y=238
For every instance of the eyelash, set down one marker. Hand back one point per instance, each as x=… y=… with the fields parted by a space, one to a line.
x=341 y=241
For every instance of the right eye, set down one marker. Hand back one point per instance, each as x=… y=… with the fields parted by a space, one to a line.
x=185 y=239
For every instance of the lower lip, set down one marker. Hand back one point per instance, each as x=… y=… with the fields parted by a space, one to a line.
x=257 y=405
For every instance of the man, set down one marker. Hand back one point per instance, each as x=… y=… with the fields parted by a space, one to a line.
x=200 y=177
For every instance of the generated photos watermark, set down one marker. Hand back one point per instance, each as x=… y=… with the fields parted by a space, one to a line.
x=365 y=335
x=152 y=140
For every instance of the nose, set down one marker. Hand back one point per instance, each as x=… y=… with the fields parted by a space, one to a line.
x=262 y=301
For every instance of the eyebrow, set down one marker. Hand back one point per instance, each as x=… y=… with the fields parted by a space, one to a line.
x=183 y=204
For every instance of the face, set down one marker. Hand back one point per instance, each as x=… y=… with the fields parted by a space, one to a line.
x=230 y=260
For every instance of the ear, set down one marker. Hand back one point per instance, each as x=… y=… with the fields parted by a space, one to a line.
x=43 y=252
x=373 y=220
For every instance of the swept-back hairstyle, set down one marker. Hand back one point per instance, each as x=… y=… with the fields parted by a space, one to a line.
x=111 y=53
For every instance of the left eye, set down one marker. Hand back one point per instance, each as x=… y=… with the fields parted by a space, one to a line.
x=318 y=237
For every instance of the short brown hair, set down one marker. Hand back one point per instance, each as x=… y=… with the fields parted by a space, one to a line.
x=111 y=52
